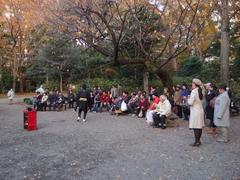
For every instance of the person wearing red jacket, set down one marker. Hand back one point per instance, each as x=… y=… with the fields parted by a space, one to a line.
x=155 y=101
x=142 y=106
x=105 y=101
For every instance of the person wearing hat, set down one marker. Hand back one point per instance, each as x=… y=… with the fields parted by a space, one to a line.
x=83 y=102
x=196 y=120
x=222 y=114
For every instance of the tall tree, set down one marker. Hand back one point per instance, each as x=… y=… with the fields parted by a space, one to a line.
x=134 y=32
x=19 y=18
x=224 y=53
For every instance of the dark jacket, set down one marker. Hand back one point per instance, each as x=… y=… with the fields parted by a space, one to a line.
x=84 y=99
x=143 y=104
x=71 y=97
x=209 y=109
x=52 y=98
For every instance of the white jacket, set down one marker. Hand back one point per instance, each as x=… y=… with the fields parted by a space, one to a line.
x=10 y=94
x=196 y=120
x=164 y=108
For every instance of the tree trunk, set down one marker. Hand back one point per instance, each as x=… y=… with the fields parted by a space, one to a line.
x=61 y=85
x=165 y=78
x=161 y=74
x=47 y=79
x=14 y=73
x=21 y=84
x=224 y=54
x=145 y=82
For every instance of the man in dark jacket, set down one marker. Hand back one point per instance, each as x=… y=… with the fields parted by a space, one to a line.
x=83 y=102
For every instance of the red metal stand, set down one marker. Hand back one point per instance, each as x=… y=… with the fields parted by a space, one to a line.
x=30 y=120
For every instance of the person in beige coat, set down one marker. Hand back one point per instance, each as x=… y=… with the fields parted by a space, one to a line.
x=162 y=111
x=196 y=121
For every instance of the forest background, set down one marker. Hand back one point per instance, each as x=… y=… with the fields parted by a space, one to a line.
x=137 y=43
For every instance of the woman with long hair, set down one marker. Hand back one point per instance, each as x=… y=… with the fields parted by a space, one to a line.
x=196 y=121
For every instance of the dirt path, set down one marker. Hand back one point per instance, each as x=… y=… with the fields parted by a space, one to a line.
x=109 y=147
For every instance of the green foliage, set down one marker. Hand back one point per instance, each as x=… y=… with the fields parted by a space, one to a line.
x=235 y=69
x=6 y=80
x=105 y=84
x=28 y=101
x=214 y=49
x=51 y=85
x=191 y=66
x=210 y=71
x=235 y=87
x=182 y=80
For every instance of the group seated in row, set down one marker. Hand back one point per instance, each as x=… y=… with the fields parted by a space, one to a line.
x=155 y=109
x=53 y=100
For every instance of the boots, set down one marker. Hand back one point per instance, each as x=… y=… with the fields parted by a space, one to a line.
x=223 y=135
x=197 y=135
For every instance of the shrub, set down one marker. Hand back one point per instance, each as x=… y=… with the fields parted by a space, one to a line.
x=51 y=85
x=28 y=101
x=191 y=66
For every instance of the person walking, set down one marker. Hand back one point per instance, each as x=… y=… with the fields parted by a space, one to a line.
x=222 y=114
x=83 y=102
x=10 y=96
x=196 y=120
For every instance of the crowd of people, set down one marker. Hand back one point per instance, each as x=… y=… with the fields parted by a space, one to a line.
x=196 y=104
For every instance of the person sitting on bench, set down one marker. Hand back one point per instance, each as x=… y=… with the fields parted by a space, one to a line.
x=60 y=101
x=162 y=111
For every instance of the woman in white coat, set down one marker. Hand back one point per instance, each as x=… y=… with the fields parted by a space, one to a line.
x=196 y=121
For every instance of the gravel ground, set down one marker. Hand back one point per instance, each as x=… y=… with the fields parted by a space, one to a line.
x=109 y=147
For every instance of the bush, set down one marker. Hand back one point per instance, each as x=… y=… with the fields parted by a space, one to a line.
x=211 y=71
x=105 y=84
x=191 y=66
x=51 y=85
x=182 y=80
x=6 y=81
x=235 y=87
x=28 y=101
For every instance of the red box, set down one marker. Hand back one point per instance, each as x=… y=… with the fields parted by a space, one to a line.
x=30 y=120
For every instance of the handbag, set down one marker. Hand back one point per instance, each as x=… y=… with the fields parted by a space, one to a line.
x=123 y=106
x=140 y=114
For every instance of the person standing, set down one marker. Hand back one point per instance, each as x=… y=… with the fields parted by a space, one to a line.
x=177 y=101
x=119 y=90
x=222 y=114
x=114 y=91
x=196 y=120
x=10 y=96
x=83 y=102
x=210 y=102
x=71 y=98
